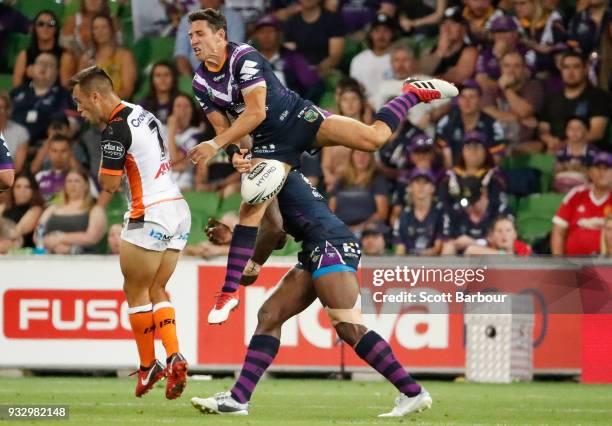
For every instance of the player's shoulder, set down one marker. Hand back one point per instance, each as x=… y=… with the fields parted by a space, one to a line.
x=241 y=51
x=120 y=123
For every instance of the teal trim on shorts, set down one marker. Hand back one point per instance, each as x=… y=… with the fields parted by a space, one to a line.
x=333 y=268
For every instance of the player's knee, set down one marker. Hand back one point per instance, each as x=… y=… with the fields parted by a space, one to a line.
x=350 y=333
x=268 y=318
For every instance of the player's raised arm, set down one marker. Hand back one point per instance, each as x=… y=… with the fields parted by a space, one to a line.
x=254 y=113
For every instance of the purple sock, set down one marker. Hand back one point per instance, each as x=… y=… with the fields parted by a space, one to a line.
x=394 y=112
x=374 y=350
x=241 y=250
x=260 y=354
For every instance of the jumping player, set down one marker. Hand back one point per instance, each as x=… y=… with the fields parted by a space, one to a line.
x=236 y=80
x=7 y=171
x=326 y=270
x=156 y=226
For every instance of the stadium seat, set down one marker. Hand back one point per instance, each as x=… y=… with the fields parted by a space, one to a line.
x=116 y=208
x=544 y=163
x=15 y=43
x=31 y=7
x=535 y=213
x=196 y=234
x=352 y=48
x=184 y=84
x=6 y=82
x=148 y=50
x=202 y=203
x=229 y=204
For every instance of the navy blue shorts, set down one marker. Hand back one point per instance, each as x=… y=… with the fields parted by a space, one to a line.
x=5 y=156
x=296 y=137
x=330 y=257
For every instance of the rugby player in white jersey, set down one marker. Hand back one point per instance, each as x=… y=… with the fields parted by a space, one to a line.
x=156 y=225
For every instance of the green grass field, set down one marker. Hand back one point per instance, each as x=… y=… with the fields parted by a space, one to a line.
x=107 y=401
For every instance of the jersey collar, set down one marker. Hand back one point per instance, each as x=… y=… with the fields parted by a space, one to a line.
x=217 y=69
x=116 y=111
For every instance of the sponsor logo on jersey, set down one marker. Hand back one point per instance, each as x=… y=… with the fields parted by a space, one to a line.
x=164 y=168
x=138 y=120
x=159 y=236
x=113 y=150
x=248 y=70
x=219 y=77
x=311 y=115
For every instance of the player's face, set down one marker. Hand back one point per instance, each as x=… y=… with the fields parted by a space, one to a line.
x=402 y=63
x=22 y=191
x=575 y=131
x=469 y=101
x=75 y=186
x=503 y=235
x=87 y=105
x=573 y=72
x=207 y=44
x=162 y=79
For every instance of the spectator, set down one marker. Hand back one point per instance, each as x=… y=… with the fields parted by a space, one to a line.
x=476 y=164
x=574 y=159
x=419 y=228
x=603 y=65
x=208 y=249
x=45 y=38
x=284 y=9
x=606 y=237
x=373 y=242
x=9 y=237
x=113 y=239
x=117 y=61
x=453 y=57
x=357 y=14
x=58 y=125
x=480 y=14
x=515 y=102
x=361 y=194
x=183 y=130
x=186 y=62
x=335 y=159
x=505 y=33
x=163 y=88
x=318 y=35
x=291 y=68
x=420 y=18
x=76 y=224
x=502 y=239
x=543 y=28
x=35 y=102
x=249 y=10
x=577 y=99
x=466 y=117
x=24 y=207
x=403 y=65
x=15 y=135
x=578 y=223
x=588 y=25
x=471 y=219
x=51 y=181
x=77 y=30
x=11 y=22
x=373 y=65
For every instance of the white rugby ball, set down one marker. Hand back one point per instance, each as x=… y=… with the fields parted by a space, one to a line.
x=263 y=182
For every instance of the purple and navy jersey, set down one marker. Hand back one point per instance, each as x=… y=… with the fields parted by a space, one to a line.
x=306 y=215
x=462 y=224
x=585 y=159
x=419 y=235
x=245 y=68
x=6 y=162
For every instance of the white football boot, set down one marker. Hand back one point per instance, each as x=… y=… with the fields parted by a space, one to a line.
x=221 y=403
x=405 y=404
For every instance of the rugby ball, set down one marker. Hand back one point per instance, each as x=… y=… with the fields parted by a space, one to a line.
x=263 y=182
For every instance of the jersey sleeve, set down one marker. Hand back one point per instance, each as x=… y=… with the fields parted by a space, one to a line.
x=249 y=70
x=6 y=162
x=202 y=97
x=564 y=215
x=116 y=141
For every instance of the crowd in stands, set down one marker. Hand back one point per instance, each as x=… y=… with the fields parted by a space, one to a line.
x=519 y=163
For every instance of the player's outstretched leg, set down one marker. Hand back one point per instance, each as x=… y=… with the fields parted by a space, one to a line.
x=293 y=295
x=165 y=323
x=338 y=292
x=338 y=130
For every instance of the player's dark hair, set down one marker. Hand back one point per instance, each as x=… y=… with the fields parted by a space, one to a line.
x=92 y=78
x=215 y=19
x=573 y=54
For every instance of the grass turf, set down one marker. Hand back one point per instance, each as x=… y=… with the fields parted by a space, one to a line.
x=108 y=401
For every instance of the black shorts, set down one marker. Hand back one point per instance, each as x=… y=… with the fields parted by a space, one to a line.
x=329 y=257
x=297 y=136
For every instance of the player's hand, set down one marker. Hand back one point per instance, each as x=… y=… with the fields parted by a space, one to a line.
x=241 y=163
x=201 y=152
x=217 y=232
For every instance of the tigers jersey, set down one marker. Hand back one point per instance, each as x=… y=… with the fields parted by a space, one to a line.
x=133 y=143
x=5 y=155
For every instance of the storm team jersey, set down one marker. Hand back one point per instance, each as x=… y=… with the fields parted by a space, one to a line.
x=244 y=69
x=134 y=143
x=5 y=155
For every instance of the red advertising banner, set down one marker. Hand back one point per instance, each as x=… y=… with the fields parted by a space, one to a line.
x=420 y=340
